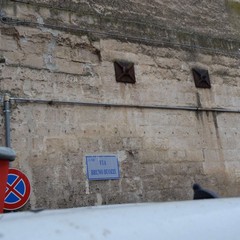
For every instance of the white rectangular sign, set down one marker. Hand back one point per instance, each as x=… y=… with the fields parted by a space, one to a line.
x=102 y=167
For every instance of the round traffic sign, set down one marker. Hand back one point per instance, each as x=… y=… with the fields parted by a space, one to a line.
x=17 y=191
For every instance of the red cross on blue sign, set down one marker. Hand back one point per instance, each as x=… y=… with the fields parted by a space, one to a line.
x=17 y=191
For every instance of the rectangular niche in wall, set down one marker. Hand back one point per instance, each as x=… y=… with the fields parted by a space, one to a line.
x=124 y=72
x=201 y=78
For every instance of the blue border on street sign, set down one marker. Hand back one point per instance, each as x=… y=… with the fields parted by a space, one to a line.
x=102 y=167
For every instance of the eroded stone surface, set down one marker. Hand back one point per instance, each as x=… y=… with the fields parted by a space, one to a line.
x=161 y=151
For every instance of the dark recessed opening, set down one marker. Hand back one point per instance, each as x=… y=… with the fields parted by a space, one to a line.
x=2 y=60
x=201 y=78
x=124 y=72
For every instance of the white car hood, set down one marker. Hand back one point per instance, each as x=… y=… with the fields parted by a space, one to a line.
x=189 y=220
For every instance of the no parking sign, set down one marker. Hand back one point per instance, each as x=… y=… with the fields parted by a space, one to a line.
x=17 y=191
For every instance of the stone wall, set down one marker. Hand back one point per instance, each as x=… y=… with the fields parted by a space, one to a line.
x=178 y=134
x=210 y=17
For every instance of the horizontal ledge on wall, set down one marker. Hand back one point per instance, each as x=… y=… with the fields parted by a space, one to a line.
x=173 y=38
x=116 y=105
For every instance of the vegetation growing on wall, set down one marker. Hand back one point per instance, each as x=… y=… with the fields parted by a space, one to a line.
x=234 y=5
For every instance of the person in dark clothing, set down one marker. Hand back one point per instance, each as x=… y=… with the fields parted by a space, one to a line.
x=201 y=193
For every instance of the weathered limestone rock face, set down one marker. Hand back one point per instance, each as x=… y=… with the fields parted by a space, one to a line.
x=204 y=16
x=178 y=134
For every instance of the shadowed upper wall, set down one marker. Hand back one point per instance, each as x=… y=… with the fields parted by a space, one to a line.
x=220 y=18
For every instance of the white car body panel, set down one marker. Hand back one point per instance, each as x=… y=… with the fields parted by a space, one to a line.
x=215 y=219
